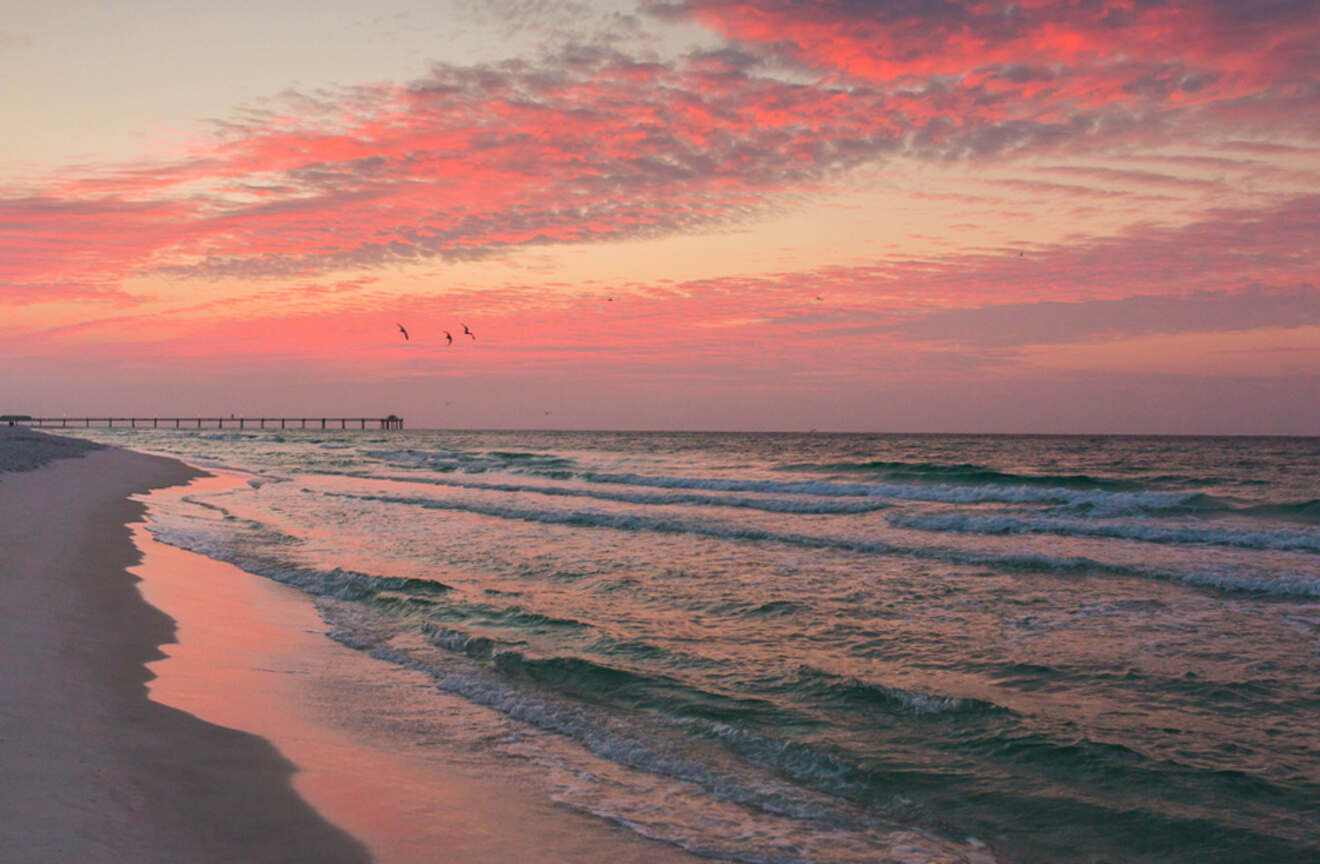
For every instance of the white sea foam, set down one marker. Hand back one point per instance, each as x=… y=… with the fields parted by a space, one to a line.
x=771 y=505
x=1152 y=532
x=1098 y=502
x=1278 y=584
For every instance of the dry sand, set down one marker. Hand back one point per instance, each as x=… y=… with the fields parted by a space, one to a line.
x=90 y=769
x=23 y=449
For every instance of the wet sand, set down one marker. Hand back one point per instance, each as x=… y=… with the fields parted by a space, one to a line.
x=90 y=768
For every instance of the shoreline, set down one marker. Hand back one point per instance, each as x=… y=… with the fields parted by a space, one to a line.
x=226 y=724
x=368 y=736
x=94 y=769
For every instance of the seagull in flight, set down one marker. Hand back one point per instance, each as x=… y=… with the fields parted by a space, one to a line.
x=449 y=340
x=403 y=331
x=468 y=332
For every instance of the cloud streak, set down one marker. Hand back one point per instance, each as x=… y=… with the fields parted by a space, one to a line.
x=1242 y=270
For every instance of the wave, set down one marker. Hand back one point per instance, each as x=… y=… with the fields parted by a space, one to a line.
x=965 y=473
x=595 y=681
x=460 y=642
x=1093 y=502
x=771 y=505
x=337 y=582
x=633 y=522
x=1099 y=499
x=774 y=609
x=472 y=462
x=599 y=734
x=1296 y=511
x=963 y=523
x=521 y=456
x=773 y=777
x=585 y=679
x=853 y=692
x=560 y=694
x=510 y=617
x=1286 y=584
x=592 y=681
x=1278 y=584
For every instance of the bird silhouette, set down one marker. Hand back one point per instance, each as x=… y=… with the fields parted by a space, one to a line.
x=468 y=332
x=403 y=331
x=449 y=340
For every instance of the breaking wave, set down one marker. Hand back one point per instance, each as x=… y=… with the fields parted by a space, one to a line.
x=965 y=523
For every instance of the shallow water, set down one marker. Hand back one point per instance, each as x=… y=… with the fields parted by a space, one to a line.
x=780 y=648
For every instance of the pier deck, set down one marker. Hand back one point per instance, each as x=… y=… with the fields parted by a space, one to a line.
x=232 y=422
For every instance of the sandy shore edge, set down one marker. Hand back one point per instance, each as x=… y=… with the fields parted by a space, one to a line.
x=91 y=769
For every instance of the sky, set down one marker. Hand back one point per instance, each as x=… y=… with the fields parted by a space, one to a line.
x=1085 y=216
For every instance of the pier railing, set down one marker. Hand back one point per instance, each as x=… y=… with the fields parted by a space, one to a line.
x=231 y=422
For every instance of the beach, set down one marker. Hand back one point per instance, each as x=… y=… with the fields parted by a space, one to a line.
x=231 y=729
x=93 y=770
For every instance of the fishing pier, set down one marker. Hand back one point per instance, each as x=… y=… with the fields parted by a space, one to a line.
x=392 y=422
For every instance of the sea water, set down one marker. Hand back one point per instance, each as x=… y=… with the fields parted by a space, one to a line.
x=826 y=648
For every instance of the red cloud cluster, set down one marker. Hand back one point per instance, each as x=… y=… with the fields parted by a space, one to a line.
x=1071 y=52
x=465 y=163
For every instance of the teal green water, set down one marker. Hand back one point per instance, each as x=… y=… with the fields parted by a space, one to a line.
x=811 y=648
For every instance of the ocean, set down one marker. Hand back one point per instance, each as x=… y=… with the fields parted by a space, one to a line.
x=825 y=648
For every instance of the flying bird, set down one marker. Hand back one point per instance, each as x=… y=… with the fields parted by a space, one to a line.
x=468 y=332
x=449 y=340
x=403 y=331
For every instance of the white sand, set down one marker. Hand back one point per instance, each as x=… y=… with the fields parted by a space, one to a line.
x=90 y=769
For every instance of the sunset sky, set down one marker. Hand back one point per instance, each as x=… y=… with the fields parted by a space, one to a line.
x=909 y=215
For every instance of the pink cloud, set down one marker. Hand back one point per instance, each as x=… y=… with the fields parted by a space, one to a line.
x=1093 y=50
x=591 y=145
